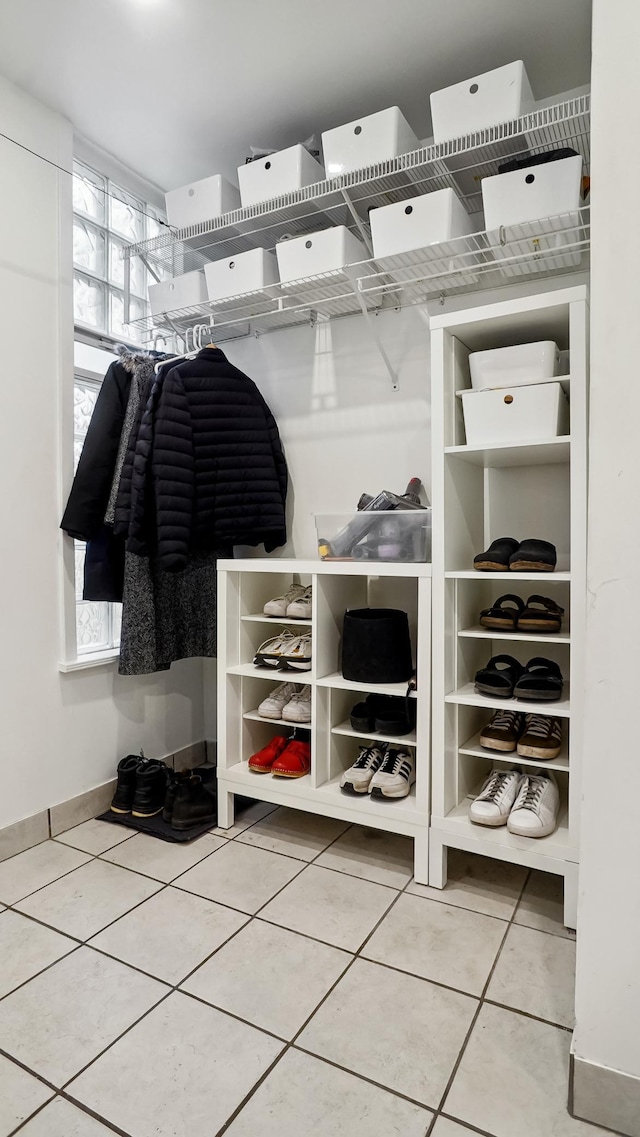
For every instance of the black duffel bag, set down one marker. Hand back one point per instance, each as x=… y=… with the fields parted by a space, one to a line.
x=376 y=646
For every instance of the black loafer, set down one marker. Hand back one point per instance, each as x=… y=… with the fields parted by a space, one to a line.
x=541 y=681
x=496 y=557
x=499 y=677
x=534 y=556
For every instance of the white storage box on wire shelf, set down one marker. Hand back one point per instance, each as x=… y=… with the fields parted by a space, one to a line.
x=250 y=272
x=515 y=414
x=523 y=363
x=409 y=236
x=366 y=141
x=182 y=292
x=201 y=201
x=515 y=199
x=277 y=174
x=317 y=254
x=483 y=101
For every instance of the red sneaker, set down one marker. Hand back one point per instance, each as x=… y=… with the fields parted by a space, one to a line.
x=262 y=761
x=294 y=762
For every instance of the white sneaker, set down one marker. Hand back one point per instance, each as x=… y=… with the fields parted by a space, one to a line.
x=297 y=654
x=535 y=810
x=298 y=709
x=494 y=802
x=274 y=704
x=357 y=778
x=300 y=609
x=278 y=606
x=395 y=776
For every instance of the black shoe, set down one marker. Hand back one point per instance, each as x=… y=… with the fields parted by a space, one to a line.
x=194 y=804
x=122 y=800
x=534 y=556
x=496 y=557
x=151 y=789
x=383 y=714
x=175 y=781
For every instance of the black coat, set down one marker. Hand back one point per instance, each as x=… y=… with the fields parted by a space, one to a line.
x=208 y=469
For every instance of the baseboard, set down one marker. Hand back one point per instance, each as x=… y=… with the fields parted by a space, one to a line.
x=604 y=1097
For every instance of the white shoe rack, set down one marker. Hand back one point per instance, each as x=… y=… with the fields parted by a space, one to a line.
x=244 y=586
x=538 y=489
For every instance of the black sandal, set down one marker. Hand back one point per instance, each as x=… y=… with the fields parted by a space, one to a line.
x=541 y=680
x=540 y=614
x=498 y=616
x=533 y=556
x=499 y=677
x=496 y=557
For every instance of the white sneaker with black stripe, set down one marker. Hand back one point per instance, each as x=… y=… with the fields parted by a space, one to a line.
x=357 y=779
x=395 y=776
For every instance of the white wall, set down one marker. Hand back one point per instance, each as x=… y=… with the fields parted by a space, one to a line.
x=59 y=734
x=608 y=974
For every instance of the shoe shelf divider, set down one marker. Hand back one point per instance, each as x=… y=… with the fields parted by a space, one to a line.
x=537 y=489
x=244 y=586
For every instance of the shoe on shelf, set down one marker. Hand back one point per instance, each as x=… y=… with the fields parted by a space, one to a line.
x=540 y=614
x=503 y=731
x=496 y=557
x=151 y=788
x=300 y=608
x=499 y=677
x=504 y=614
x=275 y=702
x=396 y=775
x=533 y=555
x=383 y=714
x=493 y=804
x=262 y=761
x=122 y=800
x=535 y=810
x=357 y=779
x=541 y=680
x=541 y=738
x=298 y=709
x=278 y=606
x=294 y=762
x=194 y=804
x=285 y=652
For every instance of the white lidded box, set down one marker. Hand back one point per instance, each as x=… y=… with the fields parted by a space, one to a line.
x=181 y=292
x=424 y=220
x=246 y=272
x=366 y=141
x=512 y=366
x=277 y=174
x=515 y=414
x=201 y=201
x=480 y=102
x=326 y=251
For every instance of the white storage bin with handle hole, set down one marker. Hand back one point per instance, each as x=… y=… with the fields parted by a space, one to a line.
x=201 y=201
x=252 y=271
x=278 y=174
x=182 y=292
x=515 y=414
x=511 y=366
x=480 y=102
x=367 y=141
x=326 y=251
x=425 y=220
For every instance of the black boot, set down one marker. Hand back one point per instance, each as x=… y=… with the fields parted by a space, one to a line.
x=176 y=779
x=122 y=800
x=151 y=789
x=194 y=804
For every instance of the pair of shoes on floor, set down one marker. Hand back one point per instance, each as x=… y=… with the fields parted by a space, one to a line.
x=285 y=652
x=526 y=803
x=288 y=701
x=141 y=786
x=506 y=554
x=282 y=757
x=540 y=680
x=294 y=605
x=382 y=771
x=509 y=613
x=533 y=736
x=190 y=801
x=384 y=714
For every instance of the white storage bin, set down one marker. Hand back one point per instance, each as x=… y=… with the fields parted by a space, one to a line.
x=277 y=174
x=181 y=292
x=201 y=201
x=327 y=251
x=517 y=414
x=366 y=141
x=424 y=220
x=511 y=366
x=246 y=272
x=497 y=96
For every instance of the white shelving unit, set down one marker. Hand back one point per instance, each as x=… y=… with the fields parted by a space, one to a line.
x=481 y=493
x=244 y=586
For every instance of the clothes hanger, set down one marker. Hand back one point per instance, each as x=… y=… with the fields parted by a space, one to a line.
x=197 y=332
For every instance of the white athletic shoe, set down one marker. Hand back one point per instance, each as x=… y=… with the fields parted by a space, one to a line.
x=300 y=609
x=357 y=778
x=396 y=774
x=535 y=810
x=494 y=802
x=278 y=606
x=298 y=709
x=274 y=704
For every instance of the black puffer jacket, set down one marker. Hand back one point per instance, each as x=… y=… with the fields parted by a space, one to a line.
x=208 y=468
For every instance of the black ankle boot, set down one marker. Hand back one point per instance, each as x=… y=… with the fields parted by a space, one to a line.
x=151 y=789
x=176 y=779
x=122 y=800
x=194 y=804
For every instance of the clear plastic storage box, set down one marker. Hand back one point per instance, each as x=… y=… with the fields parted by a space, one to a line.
x=370 y=535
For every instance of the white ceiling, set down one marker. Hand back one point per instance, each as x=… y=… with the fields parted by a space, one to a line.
x=178 y=89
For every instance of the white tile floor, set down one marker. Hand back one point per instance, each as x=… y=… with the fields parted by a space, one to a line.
x=286 y=977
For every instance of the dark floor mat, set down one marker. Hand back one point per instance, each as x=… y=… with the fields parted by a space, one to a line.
x=156 y=827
